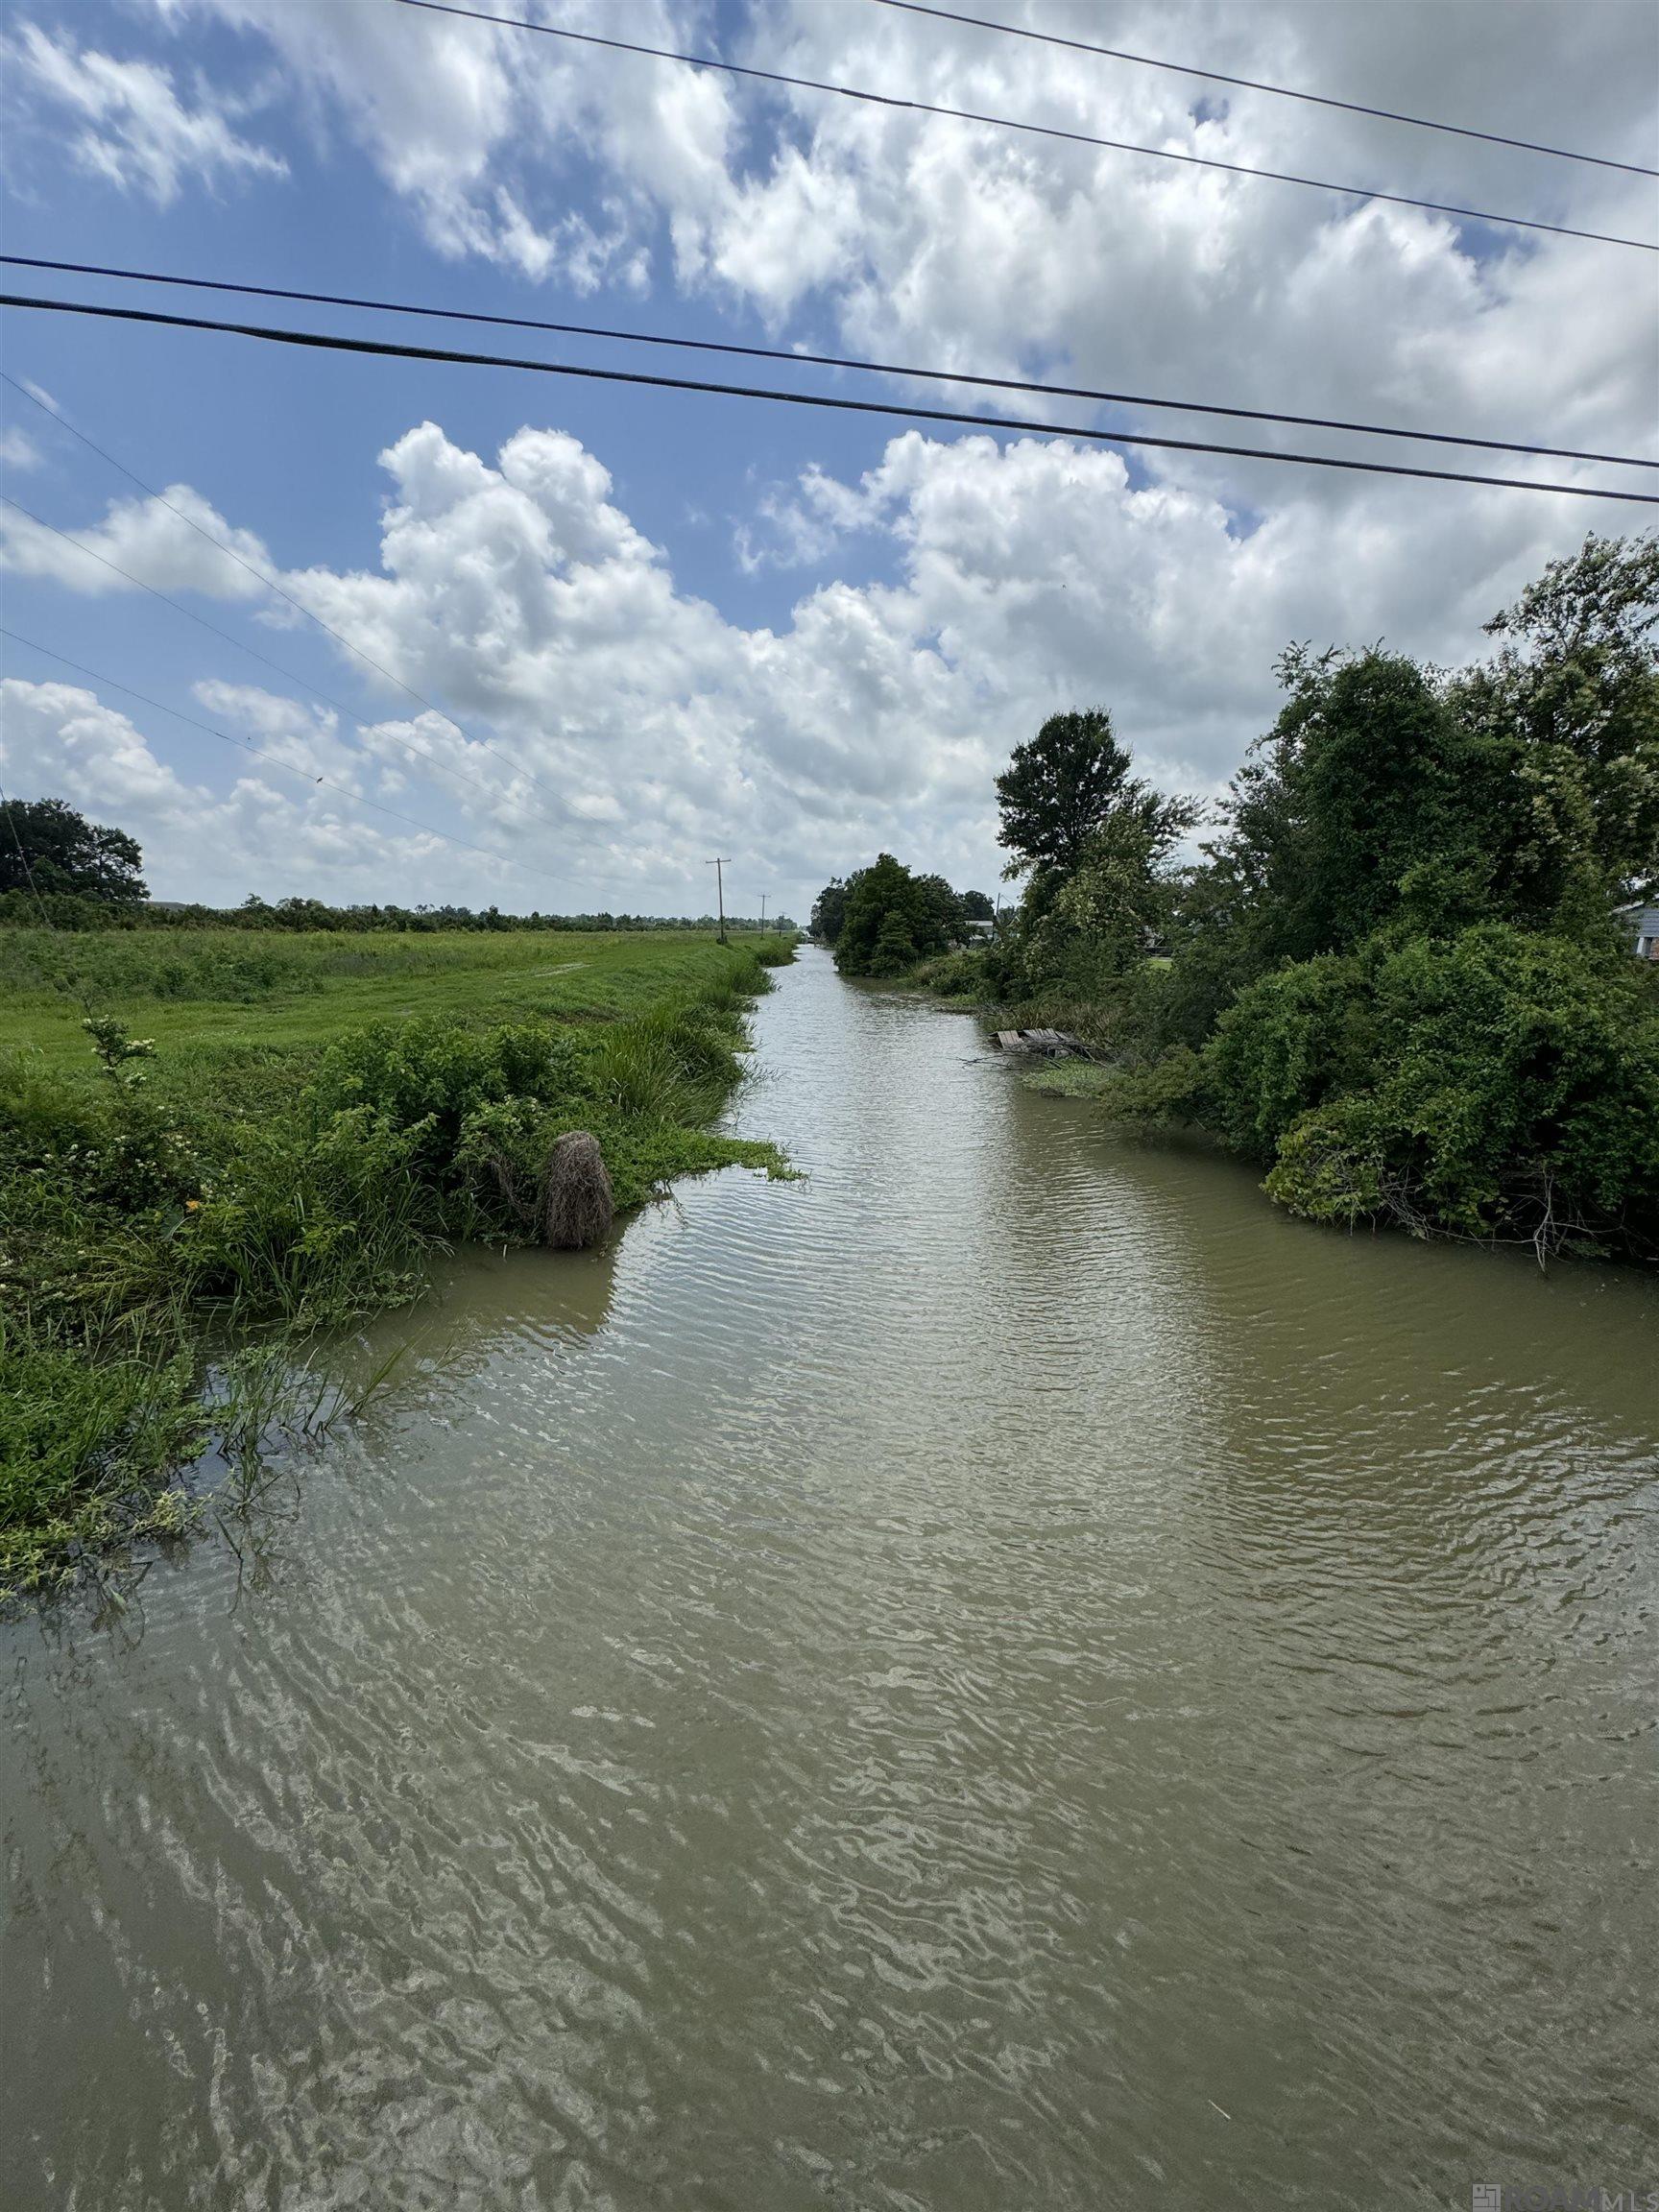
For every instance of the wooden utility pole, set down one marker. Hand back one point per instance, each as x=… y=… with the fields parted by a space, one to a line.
x=719 y=867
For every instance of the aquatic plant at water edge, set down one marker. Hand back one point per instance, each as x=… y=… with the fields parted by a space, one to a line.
x=149 y=1206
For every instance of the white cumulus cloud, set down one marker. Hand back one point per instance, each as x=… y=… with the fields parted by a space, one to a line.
x=134 y=130
x=615 y=727
x=173 y=543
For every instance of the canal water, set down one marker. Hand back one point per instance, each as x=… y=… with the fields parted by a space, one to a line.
x=1006 y=1674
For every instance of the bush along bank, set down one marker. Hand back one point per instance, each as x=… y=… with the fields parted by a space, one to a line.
x=1401 y=975
x=150 y=1217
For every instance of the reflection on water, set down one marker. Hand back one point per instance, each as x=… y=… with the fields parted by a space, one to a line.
x=1008 y=1673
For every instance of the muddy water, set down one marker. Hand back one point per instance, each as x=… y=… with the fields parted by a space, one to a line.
x=1007 y=1674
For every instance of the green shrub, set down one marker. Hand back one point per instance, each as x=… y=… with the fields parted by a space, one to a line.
x=1285 y=1043
x=1498 y=1084
x=110 y=1146
x=311 y=1228
x=963 y=974
x=425 y=1077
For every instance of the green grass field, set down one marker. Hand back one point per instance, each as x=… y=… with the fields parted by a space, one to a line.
x=231 y=992
x=215 y=1144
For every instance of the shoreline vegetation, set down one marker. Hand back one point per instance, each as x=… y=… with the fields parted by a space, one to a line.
x=1399 y=976
x=217 y=1144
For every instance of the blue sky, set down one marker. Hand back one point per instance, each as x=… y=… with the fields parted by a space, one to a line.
x=694 y=624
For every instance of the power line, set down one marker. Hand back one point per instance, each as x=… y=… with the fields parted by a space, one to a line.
x=386 y=348
x=1011 y=123
x=811 y=360
x=270 y=582
x=1255 y=85
x=245 y=744
x=290 y=675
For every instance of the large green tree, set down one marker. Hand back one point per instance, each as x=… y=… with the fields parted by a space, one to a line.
x=1096 y=842
x=1567 y=716
x=892 y=919
x=45 y=844
x=1361 y=801
x=830 y=910
x=1059 y=788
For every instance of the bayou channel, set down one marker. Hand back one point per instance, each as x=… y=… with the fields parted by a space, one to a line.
x=1004 y=1673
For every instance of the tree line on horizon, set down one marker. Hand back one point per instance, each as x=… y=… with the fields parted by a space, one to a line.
x=1397 y=975
x=60 y=870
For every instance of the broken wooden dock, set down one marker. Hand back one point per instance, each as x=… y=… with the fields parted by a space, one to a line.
x=1047 y=1043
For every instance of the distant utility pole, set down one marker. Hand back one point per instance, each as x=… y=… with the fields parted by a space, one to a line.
x=719 y=867
x=764 y=895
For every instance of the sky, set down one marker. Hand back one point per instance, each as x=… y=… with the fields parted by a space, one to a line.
x=554 y=643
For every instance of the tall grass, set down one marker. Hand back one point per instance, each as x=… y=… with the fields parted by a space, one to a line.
x=676 y=1062
x=225 y=987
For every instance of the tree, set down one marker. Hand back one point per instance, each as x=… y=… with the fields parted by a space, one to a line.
x=1097 y=842
x=1122 y=890
x=44 y=842
x=1058 y=790
x=1568 y=714
x=830 y=911
x=895 y=948
x=892 y=919
x=1364 y=800
x=935 y=913
x=976 y=906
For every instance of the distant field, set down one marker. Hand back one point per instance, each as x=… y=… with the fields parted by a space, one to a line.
x=234 y=992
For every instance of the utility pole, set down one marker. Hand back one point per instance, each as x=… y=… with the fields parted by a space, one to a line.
x=764 y=895
x=719 y=867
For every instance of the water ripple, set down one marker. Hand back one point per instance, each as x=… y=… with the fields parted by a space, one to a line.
x=1005 y=1674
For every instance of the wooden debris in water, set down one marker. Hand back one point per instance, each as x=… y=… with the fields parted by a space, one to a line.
x=1048 y=1044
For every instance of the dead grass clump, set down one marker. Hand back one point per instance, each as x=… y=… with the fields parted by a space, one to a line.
x=577 y=1207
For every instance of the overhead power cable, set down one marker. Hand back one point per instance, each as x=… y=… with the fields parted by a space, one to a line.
x=388 y=350
x=1255 y=85
x=820 y=361
x=1013 y=122
x=247 y=745
x=288 y=675
x=271 y=584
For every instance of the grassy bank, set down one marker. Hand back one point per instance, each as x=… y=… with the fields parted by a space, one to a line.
x=251 y=1142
